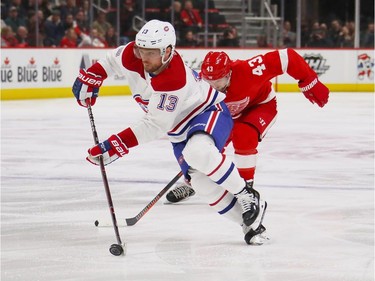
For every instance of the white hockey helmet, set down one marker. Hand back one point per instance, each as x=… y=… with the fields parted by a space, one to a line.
x=157 y=34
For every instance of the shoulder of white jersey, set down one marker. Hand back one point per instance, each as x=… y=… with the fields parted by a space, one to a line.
x=128 y=59
x=173 y=78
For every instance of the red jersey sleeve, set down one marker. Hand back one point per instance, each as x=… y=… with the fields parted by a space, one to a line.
x=281 y=61
x=298 y=67
x=273 y=64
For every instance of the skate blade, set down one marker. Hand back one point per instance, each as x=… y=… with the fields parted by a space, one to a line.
x=259 y=239
x=166 y=202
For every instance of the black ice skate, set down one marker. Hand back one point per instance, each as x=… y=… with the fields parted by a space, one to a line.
x=179 y=193
x=255 y=237
x=253 y=208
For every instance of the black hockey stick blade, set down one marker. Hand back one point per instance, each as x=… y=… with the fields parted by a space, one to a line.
x=134 y=220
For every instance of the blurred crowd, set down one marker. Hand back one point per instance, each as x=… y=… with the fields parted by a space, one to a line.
x=68 y=24
x=25 y=23
x=334 y=34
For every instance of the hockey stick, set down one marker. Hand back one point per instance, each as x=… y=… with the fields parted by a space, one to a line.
x=115 y=249
x=134 y=220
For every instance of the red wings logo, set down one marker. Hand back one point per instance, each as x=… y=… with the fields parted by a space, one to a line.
x=236 y=107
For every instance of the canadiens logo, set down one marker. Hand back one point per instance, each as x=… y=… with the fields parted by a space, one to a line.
x=141 y=102
x=317 y=63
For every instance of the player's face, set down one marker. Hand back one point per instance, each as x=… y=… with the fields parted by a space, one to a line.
x=221 y=84
x=151 y=59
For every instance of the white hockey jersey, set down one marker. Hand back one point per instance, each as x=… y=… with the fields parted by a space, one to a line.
x=170 y=99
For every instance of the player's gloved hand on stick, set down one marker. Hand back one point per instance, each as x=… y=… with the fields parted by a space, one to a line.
x=86 y=87
x=111 y=149
x=314 y=90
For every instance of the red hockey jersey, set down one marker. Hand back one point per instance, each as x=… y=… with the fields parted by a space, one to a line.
x=250 y=81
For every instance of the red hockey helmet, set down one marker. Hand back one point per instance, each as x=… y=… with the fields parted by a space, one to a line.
x=215 y=66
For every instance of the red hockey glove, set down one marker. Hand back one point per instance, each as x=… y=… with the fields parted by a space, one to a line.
x=314 y=90
x=86 y=87
x=111 y=150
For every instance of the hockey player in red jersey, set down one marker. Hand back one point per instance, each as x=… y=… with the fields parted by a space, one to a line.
x=252 y=101
x=188 y=110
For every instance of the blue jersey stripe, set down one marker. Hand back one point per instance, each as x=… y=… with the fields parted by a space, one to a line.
x=226 y=175
x=230 y=206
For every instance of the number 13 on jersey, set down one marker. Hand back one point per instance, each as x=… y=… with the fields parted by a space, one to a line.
x=167 y=102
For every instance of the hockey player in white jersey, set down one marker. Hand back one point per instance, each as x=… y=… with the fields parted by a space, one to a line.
x=192 y=114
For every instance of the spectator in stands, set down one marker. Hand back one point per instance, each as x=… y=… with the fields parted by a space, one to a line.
x=7 y=37
x=21 y=9
x=68 y=22
x=70 y=39
x=14 y=20
x=127 y=13
x=262 y=41
x=315 y=26
x=288 y=36
x=84 y=7
x=177 y=22
x=68 y=7
x=345 y=39
x=318 y=39
x=305 y=34
x=111 y=37
x=323 y=27
x=81 y=23
x=22 y=37
x=367 y=38
x=191 y=17
x=36 y=36
x=101 y=24
x=94 y=40
x=351 y=27
x=44 y=5
x=230 y=38
x=54 y=30
x=333 y=34
x=189 y=40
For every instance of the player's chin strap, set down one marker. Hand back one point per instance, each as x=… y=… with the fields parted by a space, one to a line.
x=170 y=55
x=164 y=64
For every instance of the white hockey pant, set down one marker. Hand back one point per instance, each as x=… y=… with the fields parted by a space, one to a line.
x=201 y=154
x=220 y=199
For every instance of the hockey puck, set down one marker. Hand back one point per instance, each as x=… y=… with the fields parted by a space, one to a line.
x=96 y=223
x=116 y=250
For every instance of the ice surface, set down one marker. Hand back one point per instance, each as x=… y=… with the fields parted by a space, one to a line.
x=315 y=169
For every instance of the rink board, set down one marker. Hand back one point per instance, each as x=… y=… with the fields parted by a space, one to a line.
x=50 y=73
